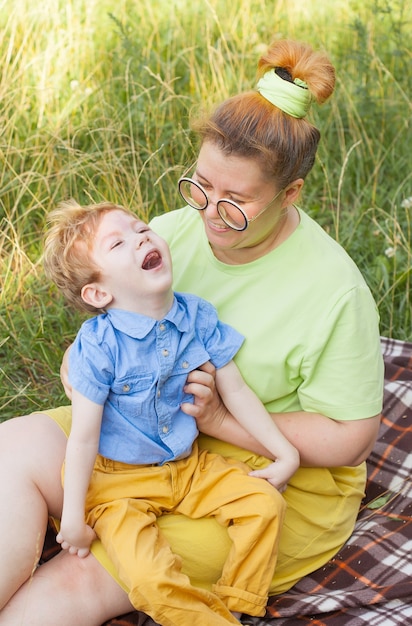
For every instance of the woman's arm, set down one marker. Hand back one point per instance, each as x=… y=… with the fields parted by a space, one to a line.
x=320 y=441
x=330 y=443
x=64 y=373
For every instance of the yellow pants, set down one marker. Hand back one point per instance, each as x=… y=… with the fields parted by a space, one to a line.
x=124 y=501
x=322 y=506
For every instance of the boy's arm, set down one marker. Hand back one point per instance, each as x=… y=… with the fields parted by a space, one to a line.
x=82 y=447
x=249 y=411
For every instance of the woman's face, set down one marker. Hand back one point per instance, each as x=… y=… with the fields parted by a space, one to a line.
x=239 y=179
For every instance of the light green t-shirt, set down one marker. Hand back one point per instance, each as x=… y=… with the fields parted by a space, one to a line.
x=310 y=322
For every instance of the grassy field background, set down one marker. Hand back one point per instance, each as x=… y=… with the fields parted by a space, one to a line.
x=95 y=99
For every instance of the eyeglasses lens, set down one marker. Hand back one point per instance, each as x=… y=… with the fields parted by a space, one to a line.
x=232 y=215
x=193 y=195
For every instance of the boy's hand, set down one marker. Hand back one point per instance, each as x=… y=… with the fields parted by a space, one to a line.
x=278 y=473
x=77 y=542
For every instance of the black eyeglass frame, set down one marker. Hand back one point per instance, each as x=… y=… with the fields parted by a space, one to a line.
x=247 y=219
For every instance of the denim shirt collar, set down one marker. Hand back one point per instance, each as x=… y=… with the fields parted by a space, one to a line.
x=139 y=326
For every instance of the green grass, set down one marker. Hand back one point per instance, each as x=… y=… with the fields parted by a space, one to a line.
x=95 y=99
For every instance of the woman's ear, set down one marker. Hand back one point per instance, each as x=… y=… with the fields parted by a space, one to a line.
x=95 y=296
x=292 y=191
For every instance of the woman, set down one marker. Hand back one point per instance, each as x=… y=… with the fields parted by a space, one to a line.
x=312 y=354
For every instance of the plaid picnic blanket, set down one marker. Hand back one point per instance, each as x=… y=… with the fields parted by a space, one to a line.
x=369 y=581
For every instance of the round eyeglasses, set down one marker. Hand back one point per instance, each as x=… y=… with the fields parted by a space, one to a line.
x=231 y=213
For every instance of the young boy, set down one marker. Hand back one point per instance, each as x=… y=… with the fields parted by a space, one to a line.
x=132 y=453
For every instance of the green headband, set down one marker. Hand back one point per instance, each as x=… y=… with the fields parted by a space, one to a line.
x=292 y=98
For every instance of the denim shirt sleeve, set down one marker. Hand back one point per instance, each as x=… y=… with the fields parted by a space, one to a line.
x=91 y=366
x=221 y=341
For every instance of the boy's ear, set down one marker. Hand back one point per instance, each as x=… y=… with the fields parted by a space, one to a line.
x=95 y=296
x=293 y=190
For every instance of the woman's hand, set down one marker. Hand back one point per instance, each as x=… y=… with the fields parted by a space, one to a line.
x=207 y=407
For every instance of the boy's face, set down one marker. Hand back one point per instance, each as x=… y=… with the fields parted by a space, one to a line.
x=135 y=263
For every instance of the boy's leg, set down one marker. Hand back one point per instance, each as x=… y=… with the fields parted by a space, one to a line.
x=148 y=568
x=253 y=511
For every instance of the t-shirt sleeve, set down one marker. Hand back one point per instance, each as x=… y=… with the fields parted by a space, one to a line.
x=343 y=377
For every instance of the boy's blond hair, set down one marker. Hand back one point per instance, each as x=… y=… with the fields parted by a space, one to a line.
x=67 y=251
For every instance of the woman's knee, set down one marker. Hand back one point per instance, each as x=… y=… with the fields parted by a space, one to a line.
x=67 y=590
x=32 y=449
x=86 y=581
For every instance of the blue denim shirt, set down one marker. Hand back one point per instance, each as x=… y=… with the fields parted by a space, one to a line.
x=137 y=367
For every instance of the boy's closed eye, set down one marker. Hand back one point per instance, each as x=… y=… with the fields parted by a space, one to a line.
x=116 y=243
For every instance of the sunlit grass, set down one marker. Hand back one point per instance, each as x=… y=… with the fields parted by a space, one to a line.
x=95 y=100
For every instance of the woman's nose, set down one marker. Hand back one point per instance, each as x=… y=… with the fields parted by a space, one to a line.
x=211 y=208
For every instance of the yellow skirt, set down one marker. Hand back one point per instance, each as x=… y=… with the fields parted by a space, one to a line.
x=322 y=506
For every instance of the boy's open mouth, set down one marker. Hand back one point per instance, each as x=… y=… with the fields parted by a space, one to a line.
x=152 y=260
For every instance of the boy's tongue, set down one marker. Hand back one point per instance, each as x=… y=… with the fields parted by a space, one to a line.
x=152 y=260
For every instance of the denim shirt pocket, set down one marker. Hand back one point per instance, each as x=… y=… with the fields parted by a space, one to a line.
x=131 y=394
